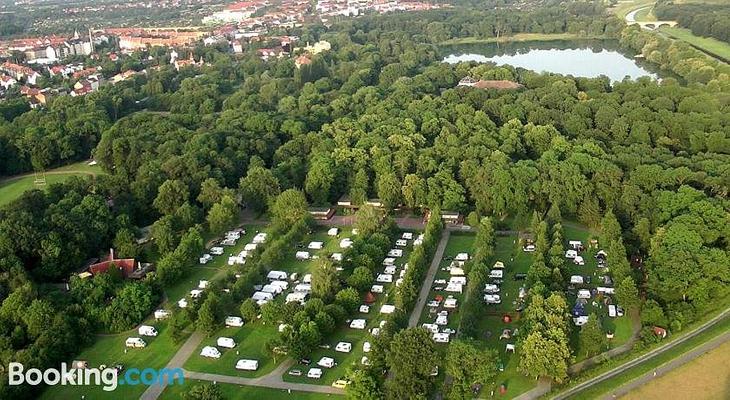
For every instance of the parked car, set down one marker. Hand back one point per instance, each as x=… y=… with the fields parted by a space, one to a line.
x=295 y=372
x=520 y=276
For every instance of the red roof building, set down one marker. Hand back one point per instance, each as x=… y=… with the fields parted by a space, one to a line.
x=126 y=265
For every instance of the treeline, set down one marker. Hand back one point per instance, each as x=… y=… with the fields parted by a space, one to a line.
x=478 y=275
x=67 y=131
x=419 y=262
x=677 y=57
x=709 y=20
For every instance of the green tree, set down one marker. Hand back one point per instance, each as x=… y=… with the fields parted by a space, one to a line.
x=627 y=294
x=349 y=299
x=591 y=339
x=209 y=314
x=204 y=391
x=468 y=365
x=125 y=243
x=210 y=192
x=361 y=278
x=171 y=195
x=249 y=310
x=545 y=356
x=411 y=360
x=222 y=215
x=289 y=208
x=363 y=386
x=325 y=282
x=258 y=188
x=367 y=220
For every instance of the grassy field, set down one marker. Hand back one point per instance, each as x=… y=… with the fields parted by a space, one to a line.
x=110 y=350
x=354 y=336
x=607 y=386
x=696 y=380
x=236 y=392
x=13 y=187
x=250 y=340
x=713 y=47
x=521 y=37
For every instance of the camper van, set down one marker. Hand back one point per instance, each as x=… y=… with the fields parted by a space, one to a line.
x=395 y=253
x=205 y=258
x=584 y=294
x=612 y=311
x=216 y=251
x=433 y=328
x=135 y=342
x=384 y=278
x=343 y=347
x=326 y=362
x=441 y=337
x=358 y=324
x=442 y=320
x=496 y=274
x=571 y=254
x=387 y=309
x=247 y=365
x=576 y=280
x=333 y=231
x=492 y=299
x=407 y=235
x=234 y=321
x=161 y=314
x=226 y=342
x=377 y=289
x=366 y=346
x=314 y=373
x=210 y=352
x=345 y=243
x=146 y=330
x=315 y=245
x=491 y=288
x=302 y=255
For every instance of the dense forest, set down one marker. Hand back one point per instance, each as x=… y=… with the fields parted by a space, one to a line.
x=709 y=20
x=377 y=116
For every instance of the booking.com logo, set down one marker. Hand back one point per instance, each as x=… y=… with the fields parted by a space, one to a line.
x=108 y=377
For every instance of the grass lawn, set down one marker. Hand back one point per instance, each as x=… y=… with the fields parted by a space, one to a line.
x=521 y=37
x=458 y=243
x=711 y=46
x=110 y=350
x=345 y=334
x=237 y=392
x=199 y=272
x=250 y=344
x=507 y=250
x=13 y=187
x=698 y=379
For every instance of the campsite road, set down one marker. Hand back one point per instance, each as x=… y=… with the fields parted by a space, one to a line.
x=426 y=285
x=177 y=361
x=638 y=360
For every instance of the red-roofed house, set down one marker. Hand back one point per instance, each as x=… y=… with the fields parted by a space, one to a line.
x=129 y=267
x=6 y=81
x=302 y=60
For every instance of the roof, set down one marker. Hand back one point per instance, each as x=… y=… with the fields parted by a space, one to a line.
x=500 y=85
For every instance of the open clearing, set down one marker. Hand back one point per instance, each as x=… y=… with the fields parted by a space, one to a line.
x=13 y=187
x=705 y=378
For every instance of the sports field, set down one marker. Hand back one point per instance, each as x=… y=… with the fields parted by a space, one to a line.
x=13 y=187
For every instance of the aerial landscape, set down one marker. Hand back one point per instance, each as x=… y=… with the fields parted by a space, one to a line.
x=364 y=199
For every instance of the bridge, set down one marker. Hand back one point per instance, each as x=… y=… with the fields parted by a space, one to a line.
x=652 y=25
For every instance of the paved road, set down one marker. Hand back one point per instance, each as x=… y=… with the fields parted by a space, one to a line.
x=631 y=17
x=271 y=380
x=177 y=361
x=675 y=363
x=426 y=285
x=651 y=354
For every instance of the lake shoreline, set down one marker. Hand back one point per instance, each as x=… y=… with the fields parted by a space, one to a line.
x=524 y=37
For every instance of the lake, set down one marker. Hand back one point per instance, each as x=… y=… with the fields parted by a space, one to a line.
x=590 y=58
